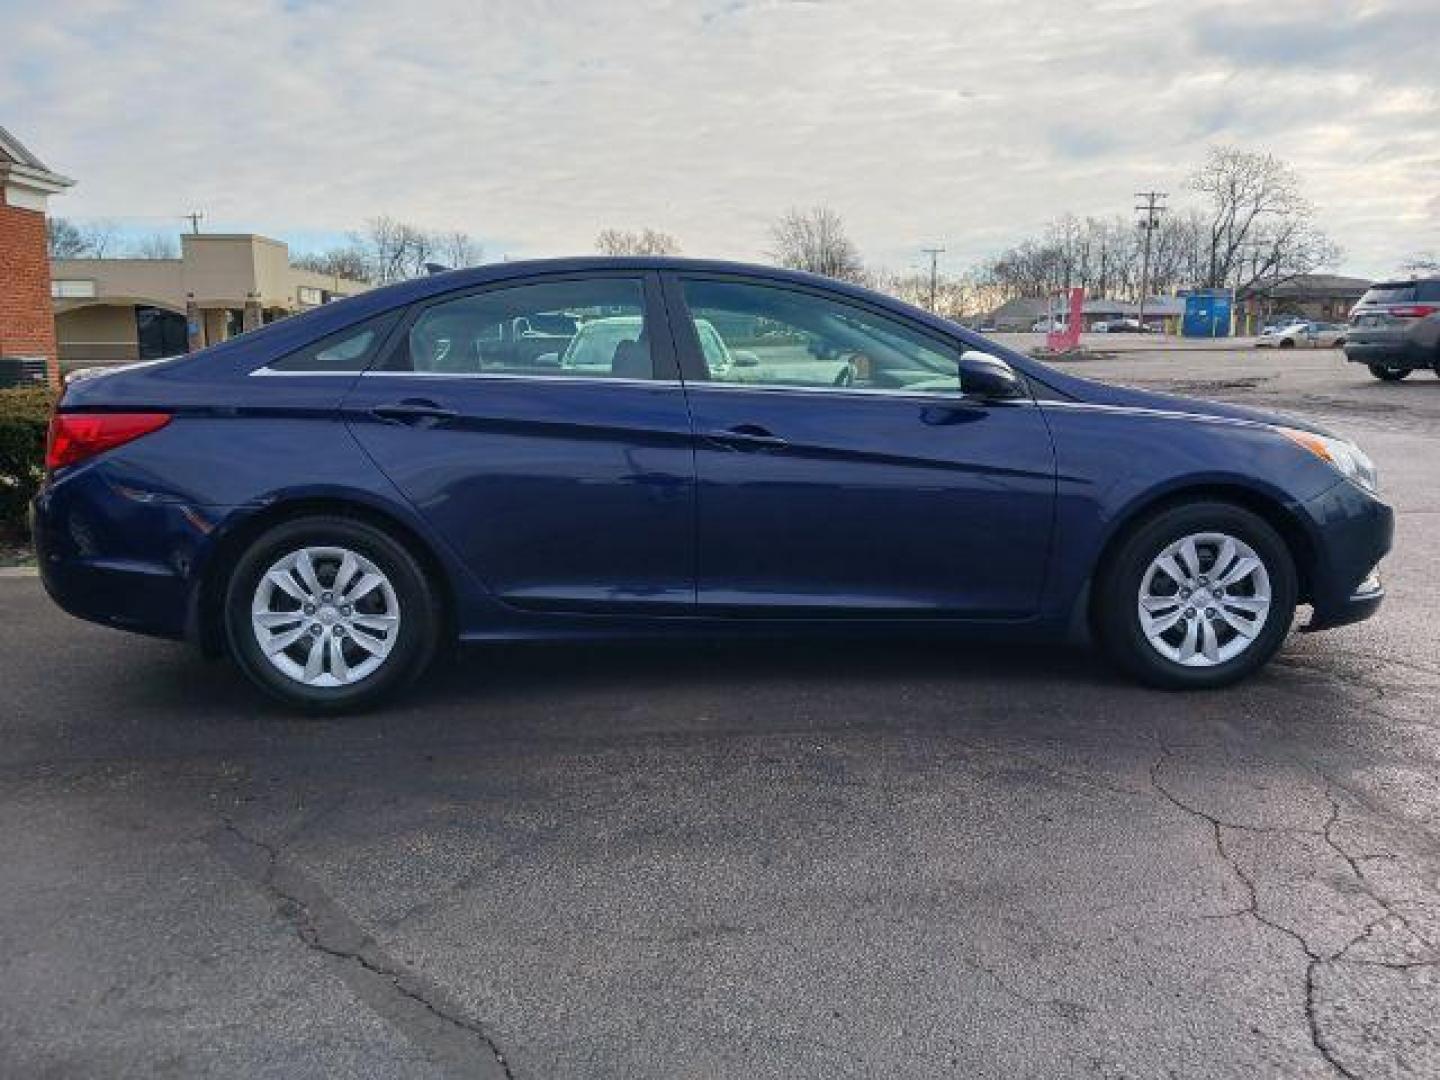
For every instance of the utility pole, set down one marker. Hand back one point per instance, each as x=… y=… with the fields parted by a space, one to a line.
x=1149 y=222
x=934 y=254
x=194 y=217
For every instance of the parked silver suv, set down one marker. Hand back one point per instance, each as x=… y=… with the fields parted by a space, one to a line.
x=1395 y=328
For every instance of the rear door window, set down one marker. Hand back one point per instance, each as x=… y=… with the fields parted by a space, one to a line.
x=593 y=328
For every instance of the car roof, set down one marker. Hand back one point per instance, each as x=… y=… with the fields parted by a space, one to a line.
x=406 y=292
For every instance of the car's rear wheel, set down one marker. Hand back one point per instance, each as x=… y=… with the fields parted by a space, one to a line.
x=1287 y=343
x=330 y=613
x=1388 y=372
x=1198 y=596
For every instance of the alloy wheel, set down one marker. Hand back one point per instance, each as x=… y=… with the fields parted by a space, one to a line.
x=1204 y=599
x=325 y=616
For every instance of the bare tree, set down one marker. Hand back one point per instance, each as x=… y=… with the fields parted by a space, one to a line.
x=629 y=242
x=64 y=240
x=814 y=240
x=67 y=240
x=1259 y=226
x=456 y=249
x=350 y=261
x=390 y=250
x=956 y=298
x=1421 y=264
x=101 y=237
x=155 y=246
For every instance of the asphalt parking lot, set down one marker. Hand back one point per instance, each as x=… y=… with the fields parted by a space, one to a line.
x=910 y=860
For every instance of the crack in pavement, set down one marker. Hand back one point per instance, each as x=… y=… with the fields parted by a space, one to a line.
x=1314 y=960
x=413 y=1005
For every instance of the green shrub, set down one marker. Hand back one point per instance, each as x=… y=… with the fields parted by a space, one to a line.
x=24 y=418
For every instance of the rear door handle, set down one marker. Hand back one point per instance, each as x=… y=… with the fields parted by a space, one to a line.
x=414 y=411
x=748 y=437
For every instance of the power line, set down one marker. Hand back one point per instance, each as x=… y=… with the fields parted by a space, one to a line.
x=934 y=254
x=1151 y=209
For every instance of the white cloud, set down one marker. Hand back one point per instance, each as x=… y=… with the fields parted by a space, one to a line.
x=534 y=123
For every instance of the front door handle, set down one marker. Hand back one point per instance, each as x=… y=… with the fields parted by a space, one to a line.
x=748 y=437
x=414 y=411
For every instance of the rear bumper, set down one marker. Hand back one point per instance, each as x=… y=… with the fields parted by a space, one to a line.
x=1353 y=532
x=113 y=556
x=1399 y=351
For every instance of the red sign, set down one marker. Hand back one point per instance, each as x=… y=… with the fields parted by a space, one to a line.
x=1067 y=335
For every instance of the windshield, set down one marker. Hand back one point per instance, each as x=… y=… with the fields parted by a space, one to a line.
x=595 y=343
x=552 y=324
x=717 y=357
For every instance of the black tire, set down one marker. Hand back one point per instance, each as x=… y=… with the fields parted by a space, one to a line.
x=1287 y=343
x=1388 y=374
x=1339 y=343
x=416 y=637
x=1117 y=591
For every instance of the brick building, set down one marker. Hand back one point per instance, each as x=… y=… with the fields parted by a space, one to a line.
x=27 y=322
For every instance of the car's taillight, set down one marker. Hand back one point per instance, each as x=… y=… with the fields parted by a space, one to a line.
x=1414 y=311
x=74 y=437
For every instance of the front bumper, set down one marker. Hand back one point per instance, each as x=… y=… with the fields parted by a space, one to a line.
x=1352 y=531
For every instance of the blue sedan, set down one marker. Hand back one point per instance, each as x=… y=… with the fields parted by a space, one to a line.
x=329 y=499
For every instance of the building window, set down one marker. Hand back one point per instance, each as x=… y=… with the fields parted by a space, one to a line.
x=73 y=289
x=312 y=296
x=160 y=333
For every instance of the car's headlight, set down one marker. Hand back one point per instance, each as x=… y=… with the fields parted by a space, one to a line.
x=1347 y=458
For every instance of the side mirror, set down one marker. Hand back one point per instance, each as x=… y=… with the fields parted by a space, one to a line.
x=745 y=359
x=985 y=376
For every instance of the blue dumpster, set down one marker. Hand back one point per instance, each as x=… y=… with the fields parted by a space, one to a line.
x=1207 y=314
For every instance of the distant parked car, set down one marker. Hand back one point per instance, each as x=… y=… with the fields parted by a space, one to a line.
x=1395 y=328
x=1283 y=324
x=1048 y=326
x=1118 y=326
x=1314 y=335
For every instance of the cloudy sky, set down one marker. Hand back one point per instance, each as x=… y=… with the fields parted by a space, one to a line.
x=535 y=123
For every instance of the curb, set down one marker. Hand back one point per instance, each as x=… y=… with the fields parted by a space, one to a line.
x=19 y=572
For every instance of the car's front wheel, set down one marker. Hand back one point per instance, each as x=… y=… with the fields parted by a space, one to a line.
x=330 y=613
x=1198 y=596
x=1388 y=372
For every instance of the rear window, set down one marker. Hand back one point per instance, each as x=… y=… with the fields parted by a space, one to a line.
x=1428 y=290
x=1400 y=292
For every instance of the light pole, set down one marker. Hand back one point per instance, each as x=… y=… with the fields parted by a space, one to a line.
x=1151 y=209
x=934 y=253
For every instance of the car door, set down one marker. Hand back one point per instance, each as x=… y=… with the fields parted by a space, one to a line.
x=840 y=469
x=563 y=488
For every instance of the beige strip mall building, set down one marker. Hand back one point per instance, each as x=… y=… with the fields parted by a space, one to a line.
x=110 y=311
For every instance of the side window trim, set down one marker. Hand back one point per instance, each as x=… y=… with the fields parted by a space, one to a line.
x=662 y=346
x=695 y=372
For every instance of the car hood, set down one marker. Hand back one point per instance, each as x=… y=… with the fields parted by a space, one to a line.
x=1097 y=393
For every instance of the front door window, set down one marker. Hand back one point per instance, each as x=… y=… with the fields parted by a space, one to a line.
x=766 y=336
